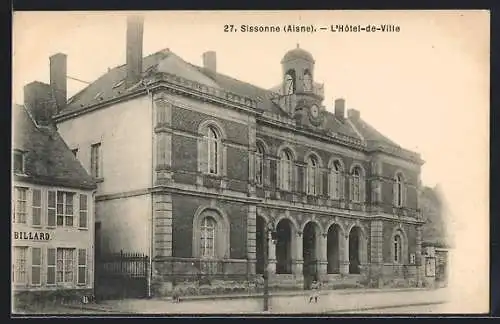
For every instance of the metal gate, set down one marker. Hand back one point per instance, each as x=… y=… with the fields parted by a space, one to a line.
x=121 y=275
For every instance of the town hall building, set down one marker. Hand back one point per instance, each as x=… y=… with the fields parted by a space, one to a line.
x=198 y=170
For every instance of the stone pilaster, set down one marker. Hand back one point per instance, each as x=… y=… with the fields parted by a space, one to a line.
x=418 y=257
x=376 y=250
x=271 y=255
x=344 y=254
x=251 y=237
x=162 y=220
x=323 y=256
x=162 y=157
x=298 y=260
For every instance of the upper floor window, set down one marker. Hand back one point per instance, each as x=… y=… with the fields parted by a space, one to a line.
x=210 y=149
x=96 y=160
x=313 y=176
x=285 y=171
x=20 y=205
x=399 y=190
x=336 y=183
x=213 y=149
x=357 y=183
x=75 y=152
x=259 y=164
x=64 y=205
x=18 y=163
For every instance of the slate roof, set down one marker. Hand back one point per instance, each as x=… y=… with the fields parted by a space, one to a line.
x=47 y=158
x=110 y=86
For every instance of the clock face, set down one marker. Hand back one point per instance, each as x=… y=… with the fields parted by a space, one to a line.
x=314 y=111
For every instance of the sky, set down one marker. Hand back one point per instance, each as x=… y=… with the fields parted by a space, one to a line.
x=426 y=87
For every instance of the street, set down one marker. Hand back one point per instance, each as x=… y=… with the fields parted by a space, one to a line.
x=330 y=302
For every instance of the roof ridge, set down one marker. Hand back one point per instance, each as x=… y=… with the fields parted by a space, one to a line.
x=73 y=97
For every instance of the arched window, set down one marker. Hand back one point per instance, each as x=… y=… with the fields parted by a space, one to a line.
x=357 y=185
x=307 y=81
x=336 y=180
x=289 y=82
x=399 y=190
x=213 y=150
x=313 y=176
x=397 y=252
x=286 y=170
x=207 y=237
x=259 y=164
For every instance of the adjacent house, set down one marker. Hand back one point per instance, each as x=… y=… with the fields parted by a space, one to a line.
x=52 y=208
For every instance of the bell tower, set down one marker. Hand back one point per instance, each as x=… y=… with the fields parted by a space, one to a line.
x=302 y=97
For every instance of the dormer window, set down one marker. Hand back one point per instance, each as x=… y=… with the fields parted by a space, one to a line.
x=18 y=163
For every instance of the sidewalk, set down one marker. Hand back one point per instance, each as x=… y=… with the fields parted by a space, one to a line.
x=330 y=301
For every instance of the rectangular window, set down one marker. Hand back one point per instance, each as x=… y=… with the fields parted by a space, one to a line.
x=82 y=266
x=83 y=211
x=51 y=208
x=65 y=265
x=20 y=261
x=36 y=265
x=95 y=160
x=64 y=211
x=21 y=201
x=36 y=207
x=75 y=152
x=18 y=163
x=51 y=266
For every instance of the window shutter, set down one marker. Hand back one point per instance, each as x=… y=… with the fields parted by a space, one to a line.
x=203 y=155
x=405 y=191
x=220 y=158
x=51 y=208
x=51 y=266
x=267 y=172
x=342 y=185
x=319 y=182
x=351 y=187
x=362 y=186
x=395 y=193
x=278 y=174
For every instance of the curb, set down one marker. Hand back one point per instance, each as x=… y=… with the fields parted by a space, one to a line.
x=298 y=293
x=383 y=307
x=325 y=312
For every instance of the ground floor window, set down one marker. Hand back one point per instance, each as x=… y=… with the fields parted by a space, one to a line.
x=65 y=265
x=48 y=266
x=20 y=258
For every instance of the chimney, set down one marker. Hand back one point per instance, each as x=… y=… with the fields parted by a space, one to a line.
x=58 y=70
x=353 y=114
x=210 y=62
x=135 y=26
x=40 y=102
x=340 y=109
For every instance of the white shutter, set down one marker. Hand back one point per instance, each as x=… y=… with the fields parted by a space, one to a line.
x=394 y=193
x=202 y=155
x=267 y=172
x=362 y=188
x=278 y=174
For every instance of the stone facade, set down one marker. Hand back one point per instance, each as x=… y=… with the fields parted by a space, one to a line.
x=228 y=163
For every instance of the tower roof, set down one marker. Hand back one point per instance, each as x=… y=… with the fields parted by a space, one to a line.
x=297 y=53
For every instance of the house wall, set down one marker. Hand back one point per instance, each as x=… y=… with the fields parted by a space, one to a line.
x=125 y=224
x=124 y=131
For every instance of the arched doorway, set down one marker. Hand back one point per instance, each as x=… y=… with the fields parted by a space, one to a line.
x=260 y=245
x=332 y=249
x=354 y=250
x=310 y=237
x=284 y=247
